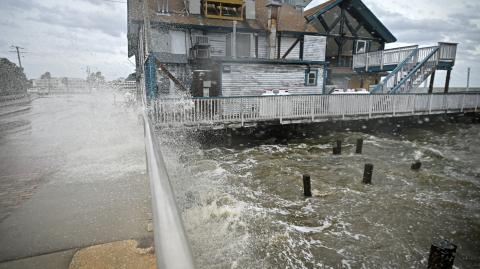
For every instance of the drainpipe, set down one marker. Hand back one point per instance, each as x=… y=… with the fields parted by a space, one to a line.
x=273 y=7
x=234 y=40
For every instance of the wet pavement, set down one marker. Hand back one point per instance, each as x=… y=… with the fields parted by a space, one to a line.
x=72 y=174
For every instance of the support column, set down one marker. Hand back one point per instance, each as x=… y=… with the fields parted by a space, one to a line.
x=432 y=80
x=447 y=81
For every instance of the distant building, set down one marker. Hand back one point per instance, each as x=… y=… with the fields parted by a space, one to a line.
x=60 y=85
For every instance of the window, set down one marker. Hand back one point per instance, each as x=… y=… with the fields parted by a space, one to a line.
x=362 y=46
x=243 y=45
x=311 y=77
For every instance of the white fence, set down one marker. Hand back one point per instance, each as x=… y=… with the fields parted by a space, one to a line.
x=307 y=108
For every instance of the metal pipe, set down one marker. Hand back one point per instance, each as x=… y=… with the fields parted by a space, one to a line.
x=234 y=40
x=171 y=246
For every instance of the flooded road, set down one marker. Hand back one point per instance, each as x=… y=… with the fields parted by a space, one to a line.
x=243 y=203
x=72 y=174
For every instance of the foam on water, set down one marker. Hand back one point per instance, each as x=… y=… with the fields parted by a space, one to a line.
x=248 y=209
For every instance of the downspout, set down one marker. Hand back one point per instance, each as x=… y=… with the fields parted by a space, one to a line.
x=234 y=40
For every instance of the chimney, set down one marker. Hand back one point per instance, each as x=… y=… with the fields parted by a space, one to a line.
x=194 y=7
x=273 y=8
x=250 y=9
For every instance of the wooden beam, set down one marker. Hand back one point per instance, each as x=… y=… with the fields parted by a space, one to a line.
x=324 y=24
x=301 y=47
x=256 y=46
x=164 y=69
x=342 y=29
x=350 y=27
x=447 y=81
x=432 y=80
x=334 y=23
x=279 y=42
x=291 y=48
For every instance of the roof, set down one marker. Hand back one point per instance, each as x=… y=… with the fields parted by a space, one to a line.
x=357 y=9
x=290 y=19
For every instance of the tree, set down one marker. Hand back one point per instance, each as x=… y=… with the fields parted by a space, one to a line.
x=12 y=78
x=47 y=75
x=96 y=77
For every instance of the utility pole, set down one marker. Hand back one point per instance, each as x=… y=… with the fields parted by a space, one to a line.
x=17 y=50
x=468 y=79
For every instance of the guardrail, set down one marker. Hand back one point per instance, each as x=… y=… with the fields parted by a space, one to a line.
x=392 y=57
x=6 y=98
x=382 y=58
x=308 y=108
x=171 y=245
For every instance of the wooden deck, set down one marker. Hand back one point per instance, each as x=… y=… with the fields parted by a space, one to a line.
x=234 y=112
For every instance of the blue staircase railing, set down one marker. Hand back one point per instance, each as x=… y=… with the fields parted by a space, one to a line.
x=413 y=71
x=394 y=73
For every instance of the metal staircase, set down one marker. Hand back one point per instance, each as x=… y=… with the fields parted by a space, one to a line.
x=411 y=72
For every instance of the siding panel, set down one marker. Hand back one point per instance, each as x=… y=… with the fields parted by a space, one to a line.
x=253 y=79
x=285 y=44
x=314 y=48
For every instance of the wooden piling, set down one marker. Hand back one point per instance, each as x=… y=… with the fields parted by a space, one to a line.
x=307 y=186
x=359 y=146
x=367 y=173
x=442 y=255
x=338 y=149
x=416 y=165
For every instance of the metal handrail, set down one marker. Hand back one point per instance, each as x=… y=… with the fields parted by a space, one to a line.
x=396 y=70
x=171 y=245
x=415 y=69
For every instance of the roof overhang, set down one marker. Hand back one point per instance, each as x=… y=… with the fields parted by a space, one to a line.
x=359 y=10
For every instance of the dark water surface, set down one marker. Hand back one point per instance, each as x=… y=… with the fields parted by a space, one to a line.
x=243 y=204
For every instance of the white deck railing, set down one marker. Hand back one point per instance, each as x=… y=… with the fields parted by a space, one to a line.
x=395 y=56
x=242 y=110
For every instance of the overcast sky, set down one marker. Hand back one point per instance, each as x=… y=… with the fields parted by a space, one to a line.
x=64 y=37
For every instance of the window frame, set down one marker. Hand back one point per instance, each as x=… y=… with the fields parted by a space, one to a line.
x=307 y=77
x=366 y=45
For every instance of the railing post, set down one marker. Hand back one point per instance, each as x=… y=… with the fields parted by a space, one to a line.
x=312 y=107
x=393 y=101
x=476 y=103
x=430 y=103
x=414 y=101
x=370 y=105
x=280 y=110
x=381 y=60
x=366 y=62
x=241 y=110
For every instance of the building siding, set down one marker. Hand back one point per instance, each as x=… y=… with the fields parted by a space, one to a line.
x=314 y=48
x=285 y=44
x=218 y=43
x=252 y=79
